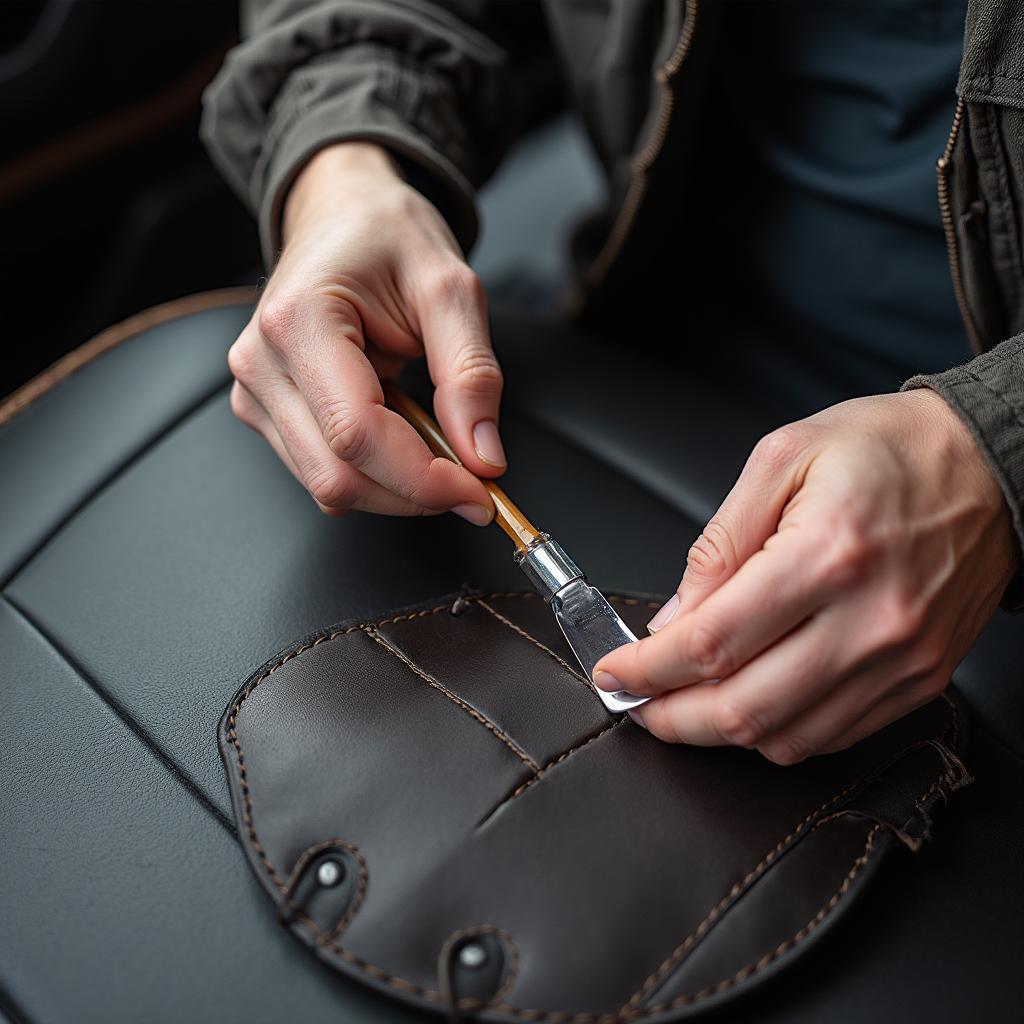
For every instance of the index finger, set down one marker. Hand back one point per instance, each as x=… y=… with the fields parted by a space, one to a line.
x=344 y=394
x=772 y=593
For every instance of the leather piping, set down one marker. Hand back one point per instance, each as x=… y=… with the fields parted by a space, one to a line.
x=560 y=1016
x=113 y=336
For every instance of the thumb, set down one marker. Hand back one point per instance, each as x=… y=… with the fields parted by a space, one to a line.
x=748 y=516
x=464 y=369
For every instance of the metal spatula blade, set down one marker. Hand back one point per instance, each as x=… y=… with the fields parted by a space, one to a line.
x=593 y=628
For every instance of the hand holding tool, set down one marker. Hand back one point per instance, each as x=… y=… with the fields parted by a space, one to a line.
x=590 y=624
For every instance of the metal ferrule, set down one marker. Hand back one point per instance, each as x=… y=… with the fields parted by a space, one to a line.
x=547 y=566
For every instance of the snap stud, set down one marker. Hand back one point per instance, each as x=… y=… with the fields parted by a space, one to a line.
x=329 y=873
x=472 y=955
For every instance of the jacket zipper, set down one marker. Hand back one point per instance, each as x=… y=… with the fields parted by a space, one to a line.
x=943 y=167
x=643 y=160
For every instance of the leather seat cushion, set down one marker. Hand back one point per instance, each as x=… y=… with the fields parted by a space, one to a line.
x=153 y=552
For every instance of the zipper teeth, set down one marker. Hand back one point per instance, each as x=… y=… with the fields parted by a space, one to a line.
x=942 y=171
x=643 y=160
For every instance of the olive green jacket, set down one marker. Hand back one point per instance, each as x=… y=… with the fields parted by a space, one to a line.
x=448 y=85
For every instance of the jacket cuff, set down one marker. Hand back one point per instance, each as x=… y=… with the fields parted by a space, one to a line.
x=367 y=94
x=988 y=395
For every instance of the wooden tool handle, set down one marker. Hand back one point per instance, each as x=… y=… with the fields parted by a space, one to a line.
x=506 y=514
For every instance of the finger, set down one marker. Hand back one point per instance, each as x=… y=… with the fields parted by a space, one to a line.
x=253 y=415
x=744 y=709
x=749 y=515
x=463 y=367
x=283 y=418
x=889 y=709
x=344 y=396
x=774 y=591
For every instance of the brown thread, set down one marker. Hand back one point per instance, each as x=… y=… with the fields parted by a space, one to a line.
x=300 y=866
x=522 y=1014
x=469 y=1002
x=533 y=640
x=371 y=632
x=679 y=953
x=522 y=788
x=780 y=949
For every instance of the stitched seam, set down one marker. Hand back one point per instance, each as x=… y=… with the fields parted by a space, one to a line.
x=370 y=631
x=679 y=953
x=357 y=900
x=400 y=984
x=533 y=640
x=472 y=1002
x=541 y=772
x=782 y=948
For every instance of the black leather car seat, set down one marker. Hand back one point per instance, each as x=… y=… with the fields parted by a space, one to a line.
x=153 y=552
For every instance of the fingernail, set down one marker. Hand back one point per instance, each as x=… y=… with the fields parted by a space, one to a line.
x=664 y=615
x=635 y=717
x=606 y=681
x=487 y=443
x=475 y=514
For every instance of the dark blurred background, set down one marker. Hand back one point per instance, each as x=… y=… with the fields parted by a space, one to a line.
x=108 y=203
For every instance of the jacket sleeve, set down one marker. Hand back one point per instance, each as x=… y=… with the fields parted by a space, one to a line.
x=988 y=395
x=445 y=85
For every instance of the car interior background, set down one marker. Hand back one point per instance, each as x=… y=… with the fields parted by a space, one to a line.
x=157 y=564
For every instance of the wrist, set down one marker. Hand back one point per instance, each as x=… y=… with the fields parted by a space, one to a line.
x=343 y=170
x=968 y=468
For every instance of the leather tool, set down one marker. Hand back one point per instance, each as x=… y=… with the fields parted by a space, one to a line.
x=590 y=624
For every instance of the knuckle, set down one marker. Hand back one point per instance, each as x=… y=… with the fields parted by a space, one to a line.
x=849 y=556
x=703 y=646
x=712 y=552
x=455 y=283
x=347 y=434
x=330 y=488
x=478 y=371
x=278 y=318
x=776 y=450
x=899 y=625
x=737 y=725
x=242 y=359
x=786 y=749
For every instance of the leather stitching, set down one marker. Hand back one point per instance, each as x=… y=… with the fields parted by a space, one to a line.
x=371 y=632
x=558 y=1016
x=533 y=640
x=471 y=1003
x=680 y=952
x=782 y=948
x=293 y=880
x=519 y=790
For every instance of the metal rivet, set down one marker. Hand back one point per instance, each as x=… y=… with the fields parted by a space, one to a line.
x=329 y=873
x=472 y=955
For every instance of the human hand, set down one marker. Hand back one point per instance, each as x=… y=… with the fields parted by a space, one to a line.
x=844 y=577
x=370 y=276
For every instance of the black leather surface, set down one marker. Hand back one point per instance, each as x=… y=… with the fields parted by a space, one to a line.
x=168 y=554
x=404 y=742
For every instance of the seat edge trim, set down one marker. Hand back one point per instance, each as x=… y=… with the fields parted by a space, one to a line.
x=111 y=337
